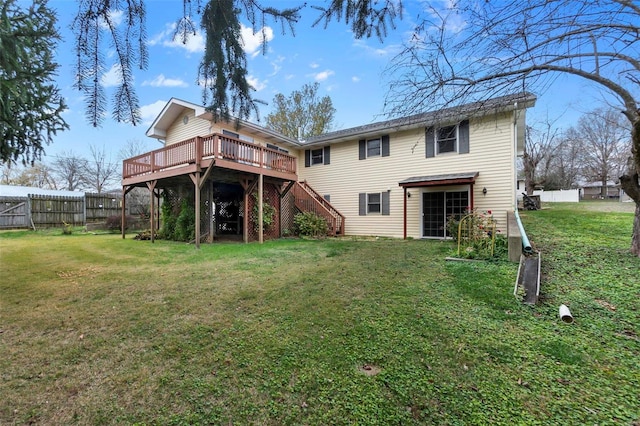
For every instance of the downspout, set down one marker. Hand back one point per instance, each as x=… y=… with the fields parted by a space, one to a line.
x=526 y=245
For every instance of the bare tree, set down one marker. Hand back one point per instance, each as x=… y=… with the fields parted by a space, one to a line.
x=541 y=147
x=70 y=171
x=37 y=176
x=138 y=199
x=133 y=148
x=100 y=171
x=604 y=139
x=478 y=50
x=566 y=167
x=7 y=174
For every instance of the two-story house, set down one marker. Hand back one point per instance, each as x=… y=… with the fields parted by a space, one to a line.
x=397 y=178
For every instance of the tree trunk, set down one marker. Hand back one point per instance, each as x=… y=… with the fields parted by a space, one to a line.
x=635 y=234
x=630 y=184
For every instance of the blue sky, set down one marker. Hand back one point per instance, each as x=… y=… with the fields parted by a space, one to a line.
x=350 y=71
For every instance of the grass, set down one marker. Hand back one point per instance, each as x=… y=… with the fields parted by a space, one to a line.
x=100 y=330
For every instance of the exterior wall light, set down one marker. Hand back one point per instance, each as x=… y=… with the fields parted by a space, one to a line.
x=484 y=190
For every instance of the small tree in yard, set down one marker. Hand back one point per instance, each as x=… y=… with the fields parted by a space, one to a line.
x=475 y=51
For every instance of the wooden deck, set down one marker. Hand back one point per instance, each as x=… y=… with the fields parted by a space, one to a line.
x=200 y=153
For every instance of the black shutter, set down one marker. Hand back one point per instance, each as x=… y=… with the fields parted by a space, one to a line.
x=362 y=146
x=326 y=157
x=463 y=136
x=385 y=146
x=307 y=157
x=363 y=204
x=430 y=142
x=385 y=202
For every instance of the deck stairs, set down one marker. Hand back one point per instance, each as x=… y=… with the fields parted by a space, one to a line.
x=308 y=200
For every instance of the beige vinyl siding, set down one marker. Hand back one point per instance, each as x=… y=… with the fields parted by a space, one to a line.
x=491 y=154
x=178 y=131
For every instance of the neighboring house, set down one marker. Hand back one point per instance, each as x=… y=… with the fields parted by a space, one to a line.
x=593 y=190
x=395 y=178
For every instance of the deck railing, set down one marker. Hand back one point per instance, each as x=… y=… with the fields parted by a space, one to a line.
x=215 y=146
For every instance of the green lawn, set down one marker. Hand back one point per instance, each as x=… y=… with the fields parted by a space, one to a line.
x=99 y=330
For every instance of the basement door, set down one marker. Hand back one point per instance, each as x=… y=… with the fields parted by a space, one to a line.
x=437 y=207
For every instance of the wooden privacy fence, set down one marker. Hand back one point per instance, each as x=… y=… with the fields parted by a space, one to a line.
x=45 y=211
x=49 y=211
x=14 y=212
x=99 y=207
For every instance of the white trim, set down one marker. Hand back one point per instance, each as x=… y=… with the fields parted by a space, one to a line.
x=455 y=143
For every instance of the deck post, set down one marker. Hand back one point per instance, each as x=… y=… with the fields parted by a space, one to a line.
x=195 y=178
x=152 y=188
x=125 y=190
x=248 y=186
x=124 y=207
x=260 y=212
x=404 y=225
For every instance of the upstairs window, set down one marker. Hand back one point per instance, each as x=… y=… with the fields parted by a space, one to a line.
x=277 y=148
x=316 y=156
x=373 y=147
x=313 y=157
x=230 y=134
x=447 y=139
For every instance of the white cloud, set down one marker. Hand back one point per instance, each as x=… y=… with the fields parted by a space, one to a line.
x=162 y=81
x=355 y=79
x=112 y=77
x=151 y=111
x=314 y=65
x=383 y=52
x=194 y=43
x=252 y=43
x=446 y=13
x=323 y=75
x=277 y=65
x=115 y=16
x=161 y=36
x=257 y=84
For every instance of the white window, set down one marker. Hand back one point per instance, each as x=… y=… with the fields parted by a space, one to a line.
x=317 y=156
x=276 y=148
x=374 y=203
x=373 y=148
x=447 y=139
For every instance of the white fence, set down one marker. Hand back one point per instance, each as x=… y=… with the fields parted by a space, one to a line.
x=561 y=196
